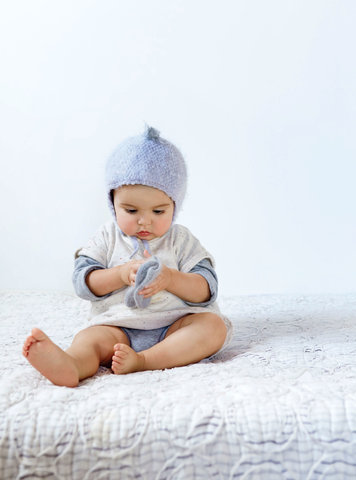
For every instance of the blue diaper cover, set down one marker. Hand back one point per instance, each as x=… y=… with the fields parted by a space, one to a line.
x=144 y=339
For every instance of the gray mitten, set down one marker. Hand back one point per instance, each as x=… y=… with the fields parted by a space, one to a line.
x=145 y=275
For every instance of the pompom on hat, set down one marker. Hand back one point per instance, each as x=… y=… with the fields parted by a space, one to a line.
x=147 y=159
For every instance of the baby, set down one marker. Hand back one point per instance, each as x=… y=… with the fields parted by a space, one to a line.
x=151 y=283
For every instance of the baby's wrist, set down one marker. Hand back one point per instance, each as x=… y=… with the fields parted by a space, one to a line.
x=122 y=275
x=170 y=275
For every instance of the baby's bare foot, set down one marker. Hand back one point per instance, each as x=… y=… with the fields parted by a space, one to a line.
x=126 y=360
x=50 y=360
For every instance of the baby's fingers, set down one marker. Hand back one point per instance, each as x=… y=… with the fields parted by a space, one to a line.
x=148 y=291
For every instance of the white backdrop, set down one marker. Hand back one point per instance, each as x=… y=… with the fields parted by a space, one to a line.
x=259 y=96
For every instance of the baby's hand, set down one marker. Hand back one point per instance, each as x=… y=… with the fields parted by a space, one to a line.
x=128 y=271
x=161 y=282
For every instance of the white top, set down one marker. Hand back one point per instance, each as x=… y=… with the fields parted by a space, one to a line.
x=178 y=249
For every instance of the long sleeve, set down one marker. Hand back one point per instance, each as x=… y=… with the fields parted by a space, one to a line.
x=206 y=270
x=82 y=267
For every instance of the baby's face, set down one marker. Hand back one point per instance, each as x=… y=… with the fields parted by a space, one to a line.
x=143 y=212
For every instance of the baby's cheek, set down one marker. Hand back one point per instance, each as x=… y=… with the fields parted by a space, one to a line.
x=163 y=227
x=128 y=226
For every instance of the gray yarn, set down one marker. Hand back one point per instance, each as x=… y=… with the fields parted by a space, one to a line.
x=152 y=133
x=147 y=159
x=145 y=275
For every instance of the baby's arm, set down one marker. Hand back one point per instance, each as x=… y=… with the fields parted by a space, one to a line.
x=104 y=281
x=190 y=287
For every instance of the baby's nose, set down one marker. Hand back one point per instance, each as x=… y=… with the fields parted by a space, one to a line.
x=144 y=220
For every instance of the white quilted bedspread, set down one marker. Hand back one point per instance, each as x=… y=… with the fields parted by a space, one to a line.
x=279 y=403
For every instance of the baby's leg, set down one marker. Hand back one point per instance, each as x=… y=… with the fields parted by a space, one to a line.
x=89 y=349
x=49 y=359
x=188 y=340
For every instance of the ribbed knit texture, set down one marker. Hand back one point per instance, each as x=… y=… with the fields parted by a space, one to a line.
x=148 y=159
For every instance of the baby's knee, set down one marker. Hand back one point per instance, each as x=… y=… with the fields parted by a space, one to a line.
x=218 y=327
x=87 y=334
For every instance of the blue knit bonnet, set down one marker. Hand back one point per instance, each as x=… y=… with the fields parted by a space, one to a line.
x=147 y=159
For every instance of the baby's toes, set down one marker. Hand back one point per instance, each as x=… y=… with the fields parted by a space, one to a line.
x=118 y=357
x=116 y=365
x=121 y=346
x=27 y=345
x=121 y=350
x=29 y=341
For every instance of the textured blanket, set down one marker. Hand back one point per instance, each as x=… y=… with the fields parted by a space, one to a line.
x=279 y=403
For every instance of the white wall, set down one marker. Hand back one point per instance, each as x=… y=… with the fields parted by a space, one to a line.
x=259 y=96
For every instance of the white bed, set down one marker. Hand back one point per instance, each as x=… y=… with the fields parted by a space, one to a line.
x=279 y=403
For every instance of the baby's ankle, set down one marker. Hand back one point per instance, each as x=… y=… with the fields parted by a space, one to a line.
x=143 y=361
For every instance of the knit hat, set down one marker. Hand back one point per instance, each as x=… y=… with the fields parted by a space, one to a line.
x=147 y=159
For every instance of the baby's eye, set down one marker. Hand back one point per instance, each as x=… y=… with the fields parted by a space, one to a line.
x=158 y=212
x=130 y=210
